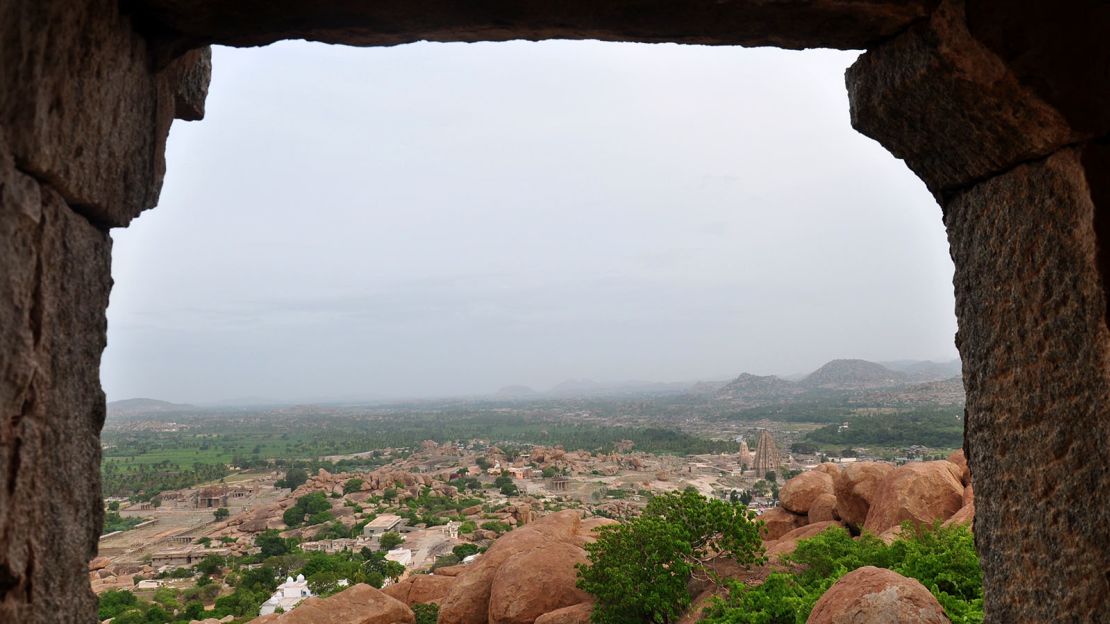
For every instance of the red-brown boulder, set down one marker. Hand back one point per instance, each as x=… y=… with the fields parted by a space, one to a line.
x=778 y=522
x=876 y=596
x=536 y=582
x=360 y=604
x=855 y=488
x=823 y=509
x=421 y=588
x=965 y=516
x=789 y=542
x=799 y=493
x=576 y=614
x=921 y=492
x=957 y=457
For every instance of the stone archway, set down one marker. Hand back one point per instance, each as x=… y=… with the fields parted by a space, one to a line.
x=1002 y=108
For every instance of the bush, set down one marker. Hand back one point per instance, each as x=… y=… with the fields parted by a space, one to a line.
x=352 y=485
x=639 y=570
x=943 y=559
x=426 y=612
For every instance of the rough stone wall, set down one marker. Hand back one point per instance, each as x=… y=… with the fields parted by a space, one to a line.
x=1031 y=304
x=1000 y=106
x=980 y=105
x=83 y=122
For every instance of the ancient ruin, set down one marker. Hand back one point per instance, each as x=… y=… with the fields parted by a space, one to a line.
x=745 y=458
x=1001 y=108
x=766 y=458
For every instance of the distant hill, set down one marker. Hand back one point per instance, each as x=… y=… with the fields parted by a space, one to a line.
x=141 y=407
x=852 y=375
x=748 y=387
x=944 y=392
x=516 y=392
x=922 y=371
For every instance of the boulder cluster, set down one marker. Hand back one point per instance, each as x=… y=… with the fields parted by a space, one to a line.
x=875 y=497
x=526 y=577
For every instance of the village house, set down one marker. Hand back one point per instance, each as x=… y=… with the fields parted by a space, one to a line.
x=381 y=524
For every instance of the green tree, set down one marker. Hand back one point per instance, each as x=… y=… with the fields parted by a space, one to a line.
x=295 y=477
x=221 y=514
x=390 y=540
x=212 y=564
x=389 y=494
x=639 y=570
x=272 y=544
x=352 y=485
x=426 y=612
x=509 y=489
x=115 y=601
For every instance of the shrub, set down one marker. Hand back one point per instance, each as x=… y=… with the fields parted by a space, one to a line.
x=639 y=570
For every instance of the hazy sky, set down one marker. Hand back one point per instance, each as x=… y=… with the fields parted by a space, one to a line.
x=439 y=219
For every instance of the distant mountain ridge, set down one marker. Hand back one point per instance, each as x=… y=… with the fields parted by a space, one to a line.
x=140 y=406
x=908 y=380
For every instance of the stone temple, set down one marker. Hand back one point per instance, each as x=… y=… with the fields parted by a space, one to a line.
x=745 y=455
x=766 y=455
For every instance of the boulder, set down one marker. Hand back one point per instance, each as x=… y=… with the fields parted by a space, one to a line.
x=823 y=509
x=360 y=604
x=969 y=495
x=789 y=542
x=99 y=563
x=799 y=493
x=872 y=595
x=778 y=522
x=536 y=582
x=469 y=600
x=421 y=588
x=965 y=516
x=957 y=457
x=454 y=570
x=921 y=492
x=855 y=487
x=576 y=614
x=829 y=468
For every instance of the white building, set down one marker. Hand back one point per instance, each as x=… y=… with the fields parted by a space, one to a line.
x=287 y=596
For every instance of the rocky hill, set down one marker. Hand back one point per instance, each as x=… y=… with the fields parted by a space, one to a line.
x=748 y=387
x=852 y=375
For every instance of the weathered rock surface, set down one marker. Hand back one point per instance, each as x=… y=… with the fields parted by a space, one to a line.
x=799 y=493
x=965 y=516
x=957 y=458
x=778 y=522
x=921 y=492
x=421 y=588
x=876 y=596
x=543 y=553
x=537 y=582
x=855 y=488
x=823 y=509
x=575 y=614
x=360 y=604
x=789 y=542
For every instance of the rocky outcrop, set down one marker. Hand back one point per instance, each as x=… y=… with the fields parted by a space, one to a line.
x=514 y=598
x=871 y=595
x=778 y=522
x=823 y=509
x=422 y=588
x=524 y=574
x=787 y=543
x=920 y=492
x=575 y=614
x=799 y=493
x=360 y=604
x=855 y=488
x=965 y=516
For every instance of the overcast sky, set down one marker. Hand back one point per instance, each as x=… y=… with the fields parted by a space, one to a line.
x=441 y=219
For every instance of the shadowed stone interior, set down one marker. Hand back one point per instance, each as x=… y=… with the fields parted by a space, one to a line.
x=1001 y=107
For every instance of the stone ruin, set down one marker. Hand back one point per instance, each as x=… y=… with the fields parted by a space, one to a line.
x=766 y=457
x=1001 y=108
